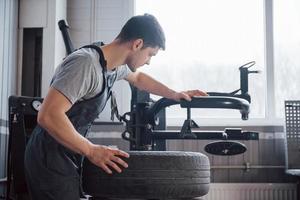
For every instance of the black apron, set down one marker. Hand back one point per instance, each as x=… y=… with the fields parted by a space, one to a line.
x=53 y=171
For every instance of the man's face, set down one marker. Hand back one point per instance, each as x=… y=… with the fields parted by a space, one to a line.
x=141 y=56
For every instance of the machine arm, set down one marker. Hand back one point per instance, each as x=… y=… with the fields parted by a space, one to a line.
x=221 y=102
x=64 y=31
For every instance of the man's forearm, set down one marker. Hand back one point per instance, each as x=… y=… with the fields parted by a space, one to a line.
x=149 y=84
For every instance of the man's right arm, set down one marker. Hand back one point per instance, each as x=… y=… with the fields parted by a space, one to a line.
x=53 y=118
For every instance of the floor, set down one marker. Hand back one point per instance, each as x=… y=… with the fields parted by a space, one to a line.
x=198 y=198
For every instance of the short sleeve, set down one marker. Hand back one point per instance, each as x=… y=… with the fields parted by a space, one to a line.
x=74 y=77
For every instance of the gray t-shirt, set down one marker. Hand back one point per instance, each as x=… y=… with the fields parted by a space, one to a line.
x=80 y=77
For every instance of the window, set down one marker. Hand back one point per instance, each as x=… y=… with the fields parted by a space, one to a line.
x=206 y=42
x=286 y=52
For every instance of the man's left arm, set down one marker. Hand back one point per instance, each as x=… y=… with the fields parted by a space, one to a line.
x=145 y=82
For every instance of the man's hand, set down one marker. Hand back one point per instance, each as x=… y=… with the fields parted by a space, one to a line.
x=107 y=158
x=187 y=95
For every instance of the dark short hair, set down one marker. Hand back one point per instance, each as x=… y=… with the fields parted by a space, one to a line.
x=145 y=27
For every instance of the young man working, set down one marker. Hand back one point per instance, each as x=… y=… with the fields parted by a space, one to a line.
x=78 y=93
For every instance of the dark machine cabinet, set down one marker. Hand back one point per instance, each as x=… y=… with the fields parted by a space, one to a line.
x=22 y=120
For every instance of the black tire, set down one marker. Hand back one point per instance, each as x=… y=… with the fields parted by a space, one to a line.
x=151 y=175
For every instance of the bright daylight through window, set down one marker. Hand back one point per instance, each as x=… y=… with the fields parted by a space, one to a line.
x=206 y=42
x=286 y=52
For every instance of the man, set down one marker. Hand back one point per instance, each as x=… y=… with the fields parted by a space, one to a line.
x=77 y=95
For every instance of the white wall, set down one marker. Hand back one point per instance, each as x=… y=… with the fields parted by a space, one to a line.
x=61 y=13
x=101 y=20
x=8 y=38
x=53 y=47
x=33 y=13
x=43 y=14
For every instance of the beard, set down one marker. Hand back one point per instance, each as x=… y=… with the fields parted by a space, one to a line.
x=131 y=66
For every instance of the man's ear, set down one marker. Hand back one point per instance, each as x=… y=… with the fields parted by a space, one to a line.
x=137 y=44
